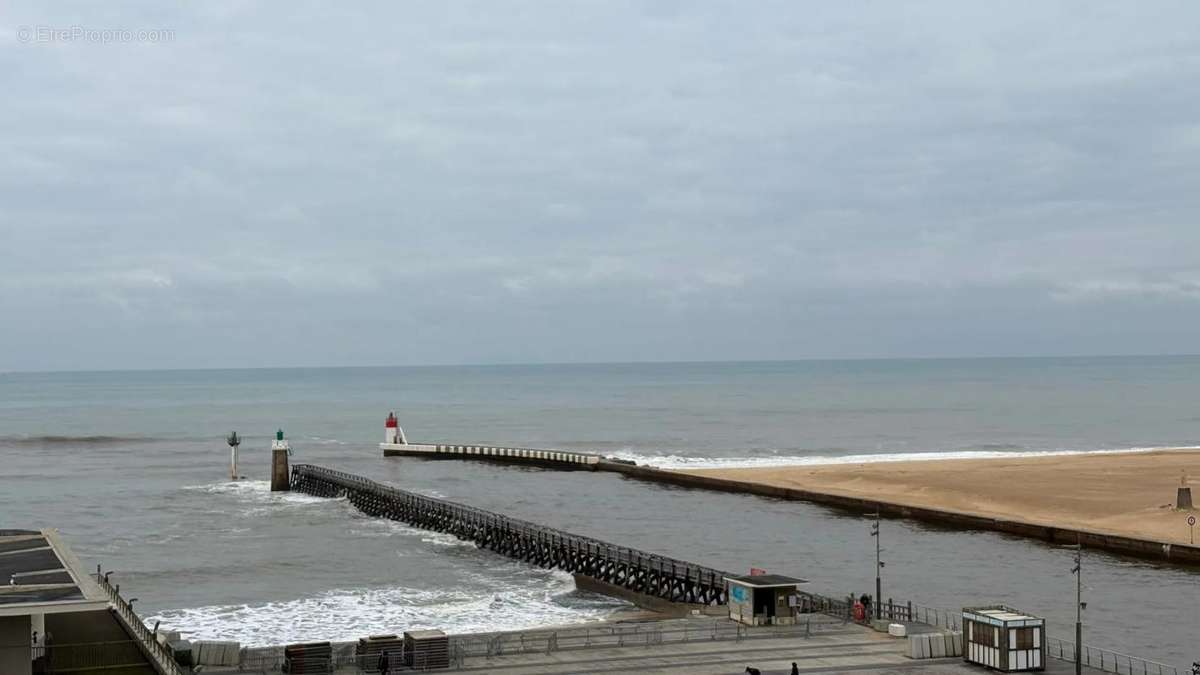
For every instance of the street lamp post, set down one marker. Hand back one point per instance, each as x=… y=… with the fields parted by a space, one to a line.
x=878 y=568
x=1080 y=605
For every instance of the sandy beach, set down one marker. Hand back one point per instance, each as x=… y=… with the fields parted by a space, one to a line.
x=1131 y=494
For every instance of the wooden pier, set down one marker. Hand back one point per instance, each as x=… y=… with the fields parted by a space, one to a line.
x=638 y=571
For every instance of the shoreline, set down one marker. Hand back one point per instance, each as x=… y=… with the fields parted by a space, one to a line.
x=686 y=463
x=1121 y=494
x=1119 y=502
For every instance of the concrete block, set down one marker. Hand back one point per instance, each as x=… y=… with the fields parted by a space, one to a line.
x=215 y=653
x=937 y=643
x=181 y=651
x=956 y=640
x=897 y=630
x=918 y=646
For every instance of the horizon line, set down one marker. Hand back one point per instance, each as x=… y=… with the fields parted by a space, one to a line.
x=600 y=363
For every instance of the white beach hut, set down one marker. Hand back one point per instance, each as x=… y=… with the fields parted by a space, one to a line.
x=1004 y=639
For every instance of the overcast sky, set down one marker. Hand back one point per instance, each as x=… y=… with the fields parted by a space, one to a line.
x=450 y=182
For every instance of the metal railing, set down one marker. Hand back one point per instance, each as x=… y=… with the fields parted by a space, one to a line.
x=631 y=635
x=61 y=658
x=933 y=616
x=159 y=657
x=343 y=657
x=1107 y=660
x=890 y=610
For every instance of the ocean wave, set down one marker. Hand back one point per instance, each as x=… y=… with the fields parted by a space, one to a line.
x=75 y=440
x=673 y=461
x=545 y=598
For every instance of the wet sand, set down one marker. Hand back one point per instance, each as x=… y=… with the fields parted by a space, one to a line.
x=1130 y=494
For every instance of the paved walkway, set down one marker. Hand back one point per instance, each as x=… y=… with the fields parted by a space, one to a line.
x=849 y=649
x=705 y=648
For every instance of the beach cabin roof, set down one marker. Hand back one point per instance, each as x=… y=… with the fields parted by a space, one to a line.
x=767 y=580
x=1000 y=615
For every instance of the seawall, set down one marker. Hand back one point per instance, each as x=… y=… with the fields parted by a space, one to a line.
x=1140 y=548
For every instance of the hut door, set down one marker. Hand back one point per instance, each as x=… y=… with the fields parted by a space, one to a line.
x=1024 y=646
x=764 y=602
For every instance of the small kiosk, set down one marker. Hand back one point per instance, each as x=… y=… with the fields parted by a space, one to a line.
x=1002 y=638
x=763 y=599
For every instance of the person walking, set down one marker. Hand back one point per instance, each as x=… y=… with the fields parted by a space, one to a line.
x=384 y=664
x=795 y=669
x=753 y=671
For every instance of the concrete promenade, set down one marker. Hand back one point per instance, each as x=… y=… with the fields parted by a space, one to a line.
x=829 y=647
x=850 y=649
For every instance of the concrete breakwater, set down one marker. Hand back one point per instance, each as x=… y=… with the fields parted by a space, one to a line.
x=1141 y=548
x=1125 y=545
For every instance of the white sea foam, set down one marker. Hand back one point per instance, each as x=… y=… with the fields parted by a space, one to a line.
x=347 y=614
x=671 y=461
x=392 y=527
x=257 y=497
x=317 y=440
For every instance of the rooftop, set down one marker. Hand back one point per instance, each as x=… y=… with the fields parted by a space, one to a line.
x=39 y=573
x=1001 y=613
x=767 y=580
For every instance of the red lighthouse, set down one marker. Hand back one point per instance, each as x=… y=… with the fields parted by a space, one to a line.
x=392 y=431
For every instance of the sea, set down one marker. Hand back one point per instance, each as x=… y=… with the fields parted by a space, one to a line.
x=132 y=467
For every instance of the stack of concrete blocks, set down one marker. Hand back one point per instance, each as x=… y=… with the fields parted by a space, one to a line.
x=216 y=653
x=181 y=650
x=935 y=645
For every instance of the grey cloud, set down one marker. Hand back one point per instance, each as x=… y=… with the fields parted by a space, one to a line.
x=598 y=181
